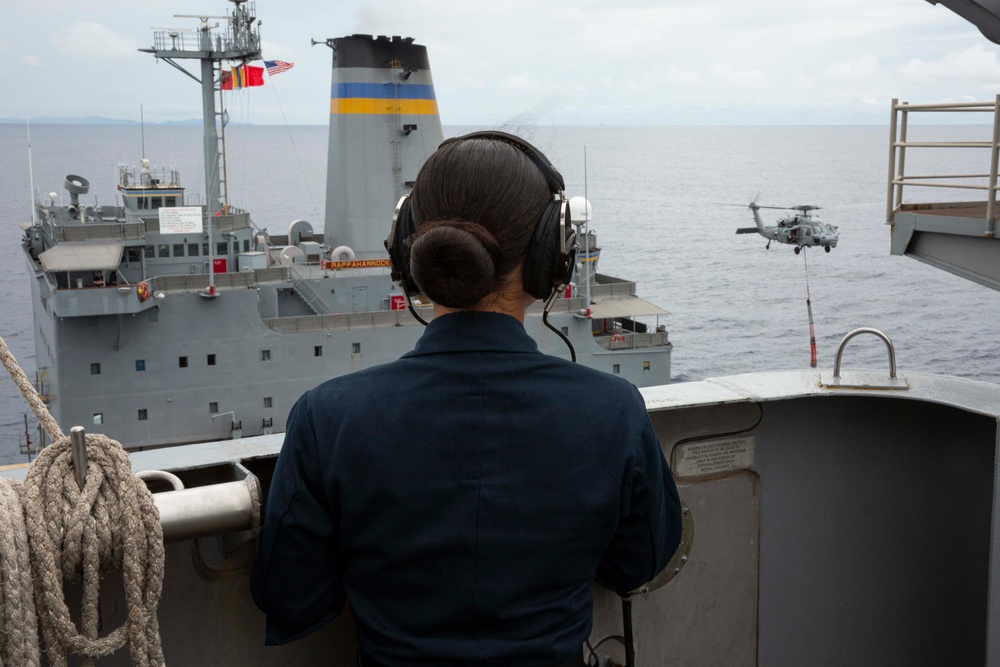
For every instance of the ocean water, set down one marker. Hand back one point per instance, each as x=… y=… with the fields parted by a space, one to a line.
x=658 y=196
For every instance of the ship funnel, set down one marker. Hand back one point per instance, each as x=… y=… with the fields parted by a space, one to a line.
x=384 y=124
x=76 y=186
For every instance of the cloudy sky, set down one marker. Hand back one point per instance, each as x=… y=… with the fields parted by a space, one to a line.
x=588 y=62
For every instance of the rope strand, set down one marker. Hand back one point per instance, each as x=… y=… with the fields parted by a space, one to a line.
x=18 y=621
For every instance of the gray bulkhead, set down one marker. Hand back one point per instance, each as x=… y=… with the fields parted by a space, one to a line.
x=831 y=527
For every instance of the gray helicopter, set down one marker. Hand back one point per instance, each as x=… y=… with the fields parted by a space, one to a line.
x=801 y=229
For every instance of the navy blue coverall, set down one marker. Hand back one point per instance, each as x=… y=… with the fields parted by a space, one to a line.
x=463 y=498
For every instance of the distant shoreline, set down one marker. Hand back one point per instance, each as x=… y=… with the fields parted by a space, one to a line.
x=90 y=120
x=101 y=120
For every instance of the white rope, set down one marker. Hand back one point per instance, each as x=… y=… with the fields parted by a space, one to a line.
x=75 y=534
x=18 y=622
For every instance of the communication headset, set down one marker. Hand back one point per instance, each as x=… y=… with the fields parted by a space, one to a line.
x=551 y=254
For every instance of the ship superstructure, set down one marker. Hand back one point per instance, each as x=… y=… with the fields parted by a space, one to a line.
x=167 y=316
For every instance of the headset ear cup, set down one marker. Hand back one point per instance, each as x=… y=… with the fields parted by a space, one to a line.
x=543 y=256
x=398 y=245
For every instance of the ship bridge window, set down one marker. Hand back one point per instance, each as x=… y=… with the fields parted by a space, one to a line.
x=170 y=201
x=149 y=251
x=356 y=348
x=157 y=202
x=211 y=360
x=192 y=249
x=182 y=362
x=163 y=250
x=178 y=250
x=213 y=407
x=140 y=365
x=95 y=369
x=204 y=249
x=265 y=355
x=318 y=351
x=616 y=369
x=143 y=415
x=221 y=248
x=142 y=202
x=134 y=255
x=267 y=402
x=246 y=245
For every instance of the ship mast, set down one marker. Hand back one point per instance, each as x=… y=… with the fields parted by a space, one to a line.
x=239 y=42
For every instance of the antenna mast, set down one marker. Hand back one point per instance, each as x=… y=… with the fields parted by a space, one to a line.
x=238 y=42
x=586 y=235
x=31 y=178
x=142 y=130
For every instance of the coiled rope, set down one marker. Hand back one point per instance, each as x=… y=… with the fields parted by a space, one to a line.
x=79 y=535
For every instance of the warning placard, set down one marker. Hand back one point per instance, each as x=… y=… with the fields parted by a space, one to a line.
x=180 y=219
x=713 y=456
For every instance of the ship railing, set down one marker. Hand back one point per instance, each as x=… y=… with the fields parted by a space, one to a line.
x=231 y=222
x=562 y=305
x=899 y=142
x=227 y=39
x=343 y=321
x=309 y=294
x=615 y=287
x=633 y=341
x=241 y=280
x=126 y=231
x=157 y=177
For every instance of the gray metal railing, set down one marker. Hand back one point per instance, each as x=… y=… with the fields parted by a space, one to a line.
x=220 y=223
x=137 y=230
x=633 y=341
x=243 y=279
x=897 y=155
x=91 y=232
x=369 y=320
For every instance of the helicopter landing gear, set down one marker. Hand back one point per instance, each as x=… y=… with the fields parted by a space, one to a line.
x=826 y=248
x=798 y=249
x=768 y=246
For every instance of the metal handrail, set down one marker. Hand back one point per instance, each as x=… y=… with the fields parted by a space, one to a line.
x=868 y=330
x=897 y=155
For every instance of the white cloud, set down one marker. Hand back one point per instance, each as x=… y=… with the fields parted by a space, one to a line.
x=88 y=38
x=276 y=51
x=674 y=75
x=974 y=64
x=861 y=68
x=524 y=82
x=729 y=77
x=31 y=61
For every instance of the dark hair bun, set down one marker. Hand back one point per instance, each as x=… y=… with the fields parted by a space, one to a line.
x=455 y=262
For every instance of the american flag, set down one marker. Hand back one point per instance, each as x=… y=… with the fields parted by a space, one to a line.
x=277 y=66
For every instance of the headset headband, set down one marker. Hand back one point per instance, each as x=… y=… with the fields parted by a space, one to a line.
x=552 y=176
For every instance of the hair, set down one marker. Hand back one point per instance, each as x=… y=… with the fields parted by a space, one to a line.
x=475 y=205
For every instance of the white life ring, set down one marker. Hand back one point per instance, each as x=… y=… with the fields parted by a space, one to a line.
x=342 y=253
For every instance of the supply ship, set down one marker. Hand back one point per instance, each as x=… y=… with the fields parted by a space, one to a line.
x=840 y=516
x=168 y=316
